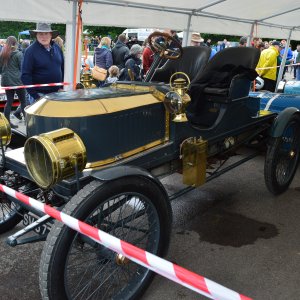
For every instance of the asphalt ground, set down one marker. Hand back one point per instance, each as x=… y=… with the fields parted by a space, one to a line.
x=231 y=230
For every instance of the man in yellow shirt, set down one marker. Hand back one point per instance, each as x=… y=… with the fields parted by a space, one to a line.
x=267 y=66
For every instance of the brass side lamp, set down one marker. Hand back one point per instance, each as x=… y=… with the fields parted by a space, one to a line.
x=87 y=80
x=177 y=99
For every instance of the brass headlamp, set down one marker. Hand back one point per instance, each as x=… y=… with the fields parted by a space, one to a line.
x=53 y=156
x=5 y=130
x=177 y=100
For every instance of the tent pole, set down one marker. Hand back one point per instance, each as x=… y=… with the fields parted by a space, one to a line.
x=70 y=48
x=282 y=65
x=74 y=20
x=186 y=33
x=249 y=38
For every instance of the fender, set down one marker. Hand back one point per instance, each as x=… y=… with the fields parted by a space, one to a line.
x=117 y=172
x=281 y=121
x=18 y=139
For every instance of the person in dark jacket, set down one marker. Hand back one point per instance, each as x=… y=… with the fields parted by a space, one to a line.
x=102 y=56
x=120 y=51
x=10 y=69
x=132 y=70
x=43 y=62
x=17 y=113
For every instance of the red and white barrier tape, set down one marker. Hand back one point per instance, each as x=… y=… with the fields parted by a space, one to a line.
x=34 y=85
x=163 y=267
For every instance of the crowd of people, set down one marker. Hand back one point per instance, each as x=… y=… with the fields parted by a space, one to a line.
x=134 y=61
x=123 y=59
x=271 y=56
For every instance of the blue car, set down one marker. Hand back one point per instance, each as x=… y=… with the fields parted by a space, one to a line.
x=288 y=95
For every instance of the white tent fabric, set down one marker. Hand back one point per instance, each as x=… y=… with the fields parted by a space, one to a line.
x=264 y=18
x=274 y=18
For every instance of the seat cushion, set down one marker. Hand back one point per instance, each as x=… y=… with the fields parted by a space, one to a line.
x=216 y=91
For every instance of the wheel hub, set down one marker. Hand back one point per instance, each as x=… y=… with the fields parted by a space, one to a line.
x=121 y=259
x=292 y=153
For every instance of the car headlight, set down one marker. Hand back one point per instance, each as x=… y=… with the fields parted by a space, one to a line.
x=53 y=156
x=173 y=102
x=5 y=130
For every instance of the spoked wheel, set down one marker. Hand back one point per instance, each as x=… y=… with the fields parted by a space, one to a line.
x=282 y=157
x=10 y=213
x=73 y=266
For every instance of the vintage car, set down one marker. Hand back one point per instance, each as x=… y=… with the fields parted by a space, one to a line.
x=287 y=95
x=98 y=155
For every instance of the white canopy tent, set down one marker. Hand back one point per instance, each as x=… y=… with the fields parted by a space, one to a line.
x=264 y=18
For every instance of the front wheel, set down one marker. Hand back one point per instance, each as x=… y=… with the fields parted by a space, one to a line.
x=10 y=213
x=134 y=209
x=282 y=157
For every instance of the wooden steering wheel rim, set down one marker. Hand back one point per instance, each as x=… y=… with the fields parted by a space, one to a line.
x=162 y=51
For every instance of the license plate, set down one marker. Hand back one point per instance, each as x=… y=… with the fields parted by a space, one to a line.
x=42 y=229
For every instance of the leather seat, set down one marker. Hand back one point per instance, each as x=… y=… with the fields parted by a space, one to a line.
x=192 y=62
x=228 y=59
x=228 y=74
x=226 y=77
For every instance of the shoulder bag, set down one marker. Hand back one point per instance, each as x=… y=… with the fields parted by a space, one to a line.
x=99 y=73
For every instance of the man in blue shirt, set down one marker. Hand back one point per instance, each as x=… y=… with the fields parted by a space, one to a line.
x=289 y=57
x=289 y=53
x=43 y=62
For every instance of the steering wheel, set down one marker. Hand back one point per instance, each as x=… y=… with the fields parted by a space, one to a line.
x=159 y=42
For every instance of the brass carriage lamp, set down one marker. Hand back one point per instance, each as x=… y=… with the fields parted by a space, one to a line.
x=5 y=131
x=53 y=156
x=177 y=99
x=87 y=80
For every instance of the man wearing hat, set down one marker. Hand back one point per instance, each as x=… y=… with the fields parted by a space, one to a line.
x=43 y=62
x=267 y=66
x=196 y=39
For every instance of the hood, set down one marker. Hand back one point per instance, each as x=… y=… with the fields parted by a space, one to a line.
x=88 y=102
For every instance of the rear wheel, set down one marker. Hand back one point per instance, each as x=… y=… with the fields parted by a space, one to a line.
x=282 y=157
x=72 y=266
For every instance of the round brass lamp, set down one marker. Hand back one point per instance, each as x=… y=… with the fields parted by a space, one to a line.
x=53 y=156
x=5 y=130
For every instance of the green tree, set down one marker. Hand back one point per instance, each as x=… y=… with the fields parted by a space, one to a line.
x=8 y=28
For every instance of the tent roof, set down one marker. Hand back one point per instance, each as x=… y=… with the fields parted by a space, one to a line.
x=271 y=18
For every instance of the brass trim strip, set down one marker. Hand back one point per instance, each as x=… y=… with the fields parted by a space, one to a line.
x=167 y=126
x=133 y=87
x=264 y=112
x=123 y=155
x=158 y=95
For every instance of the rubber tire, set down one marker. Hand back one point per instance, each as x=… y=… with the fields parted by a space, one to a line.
x=272 y=155
x=56 y=248
x=12 y=222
